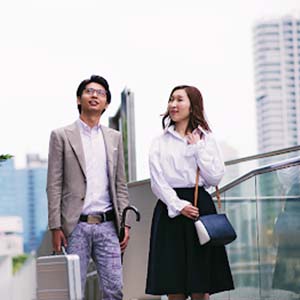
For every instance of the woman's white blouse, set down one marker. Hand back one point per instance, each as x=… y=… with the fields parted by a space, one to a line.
x=173 y=164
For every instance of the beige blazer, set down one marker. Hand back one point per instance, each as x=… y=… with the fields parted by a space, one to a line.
x=66 y=180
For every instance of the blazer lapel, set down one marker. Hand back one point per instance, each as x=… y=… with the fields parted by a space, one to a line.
x=74 y=138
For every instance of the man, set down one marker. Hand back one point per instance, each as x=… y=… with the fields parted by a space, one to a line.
x=87 y=190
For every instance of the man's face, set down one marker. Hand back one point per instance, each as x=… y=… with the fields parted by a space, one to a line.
x=93 y=99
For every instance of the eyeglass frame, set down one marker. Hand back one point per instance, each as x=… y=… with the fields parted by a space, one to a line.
x=99 y=92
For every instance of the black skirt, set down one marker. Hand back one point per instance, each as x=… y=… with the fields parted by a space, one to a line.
x=177 y=263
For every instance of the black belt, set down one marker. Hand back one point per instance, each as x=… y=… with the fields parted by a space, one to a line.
x=97 y=218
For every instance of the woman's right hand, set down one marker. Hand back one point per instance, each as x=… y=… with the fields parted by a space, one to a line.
x=190 y=211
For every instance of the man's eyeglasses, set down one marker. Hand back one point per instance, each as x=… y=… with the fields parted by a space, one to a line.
x=100 y=93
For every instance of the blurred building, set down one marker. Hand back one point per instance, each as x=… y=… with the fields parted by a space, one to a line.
x=124 y=121
x=277 y=88
x=11 y=244
x=36 y=212
x=8 y=201
x=23 y=194
x=11 y=241
x=277 y=82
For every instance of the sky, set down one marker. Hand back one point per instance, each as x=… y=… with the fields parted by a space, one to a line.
x=48 y=47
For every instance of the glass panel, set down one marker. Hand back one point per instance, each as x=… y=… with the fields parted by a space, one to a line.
x=279 y=233
x=240 y=207
x=265 y=260
x=237 y=170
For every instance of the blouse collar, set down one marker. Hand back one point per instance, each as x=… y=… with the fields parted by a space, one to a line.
x=171 y=130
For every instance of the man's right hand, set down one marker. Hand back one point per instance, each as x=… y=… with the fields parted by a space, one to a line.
x=58 y=239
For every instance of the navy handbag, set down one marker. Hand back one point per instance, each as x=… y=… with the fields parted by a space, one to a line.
x=214 y=229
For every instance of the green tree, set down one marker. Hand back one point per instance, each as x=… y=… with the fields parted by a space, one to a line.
x=18 y=262
x=4 y=157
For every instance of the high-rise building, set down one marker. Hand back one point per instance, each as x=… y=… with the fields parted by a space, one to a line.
x=36 y=211
x=23 y=194
x=124 y=121
x=277 y=82
x=8 y=201
x=277 y=89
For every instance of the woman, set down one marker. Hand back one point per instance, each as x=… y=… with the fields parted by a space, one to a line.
x=178 y=266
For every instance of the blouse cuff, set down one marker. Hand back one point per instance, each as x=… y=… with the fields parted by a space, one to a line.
x=194 y=148
x=176 y=207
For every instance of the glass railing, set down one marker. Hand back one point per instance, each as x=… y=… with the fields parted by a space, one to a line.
x=264 y=208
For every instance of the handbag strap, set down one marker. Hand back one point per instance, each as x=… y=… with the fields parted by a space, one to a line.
x=196 y=187
x=197 y=190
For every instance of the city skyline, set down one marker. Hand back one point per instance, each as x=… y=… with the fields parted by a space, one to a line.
x=48 y=48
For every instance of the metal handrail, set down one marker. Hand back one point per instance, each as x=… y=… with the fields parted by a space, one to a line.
x=263 y=155
x=295 y=161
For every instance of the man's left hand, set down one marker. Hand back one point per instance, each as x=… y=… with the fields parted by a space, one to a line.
x=125 y=241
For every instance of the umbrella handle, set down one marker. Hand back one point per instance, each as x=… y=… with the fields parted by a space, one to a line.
x=122 y=227
x=133 y=208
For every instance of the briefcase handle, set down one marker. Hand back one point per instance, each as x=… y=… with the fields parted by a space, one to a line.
x=63 y=250
x=197 y=188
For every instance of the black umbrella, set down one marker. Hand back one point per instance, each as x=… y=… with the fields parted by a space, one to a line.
x=122 y=227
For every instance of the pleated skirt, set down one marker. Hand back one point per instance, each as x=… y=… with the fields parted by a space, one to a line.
x=177 y=263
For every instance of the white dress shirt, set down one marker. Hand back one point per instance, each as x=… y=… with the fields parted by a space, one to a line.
x=97 y=197
x=173 y=164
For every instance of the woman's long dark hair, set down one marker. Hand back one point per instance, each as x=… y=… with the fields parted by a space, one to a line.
x=197 y=110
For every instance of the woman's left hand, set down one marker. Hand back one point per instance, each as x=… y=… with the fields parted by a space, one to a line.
x=193 y=137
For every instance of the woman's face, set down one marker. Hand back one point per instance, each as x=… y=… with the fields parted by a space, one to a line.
x=179 y=106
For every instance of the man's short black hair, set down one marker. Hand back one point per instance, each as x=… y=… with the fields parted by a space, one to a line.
x=96 y=79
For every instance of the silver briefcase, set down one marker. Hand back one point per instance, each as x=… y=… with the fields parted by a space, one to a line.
x=58 y=277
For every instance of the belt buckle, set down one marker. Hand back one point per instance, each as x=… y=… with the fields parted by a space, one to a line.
x=93 y=219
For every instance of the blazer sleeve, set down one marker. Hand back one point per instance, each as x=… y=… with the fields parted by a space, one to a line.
x=55 y=180
x=120 y=183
